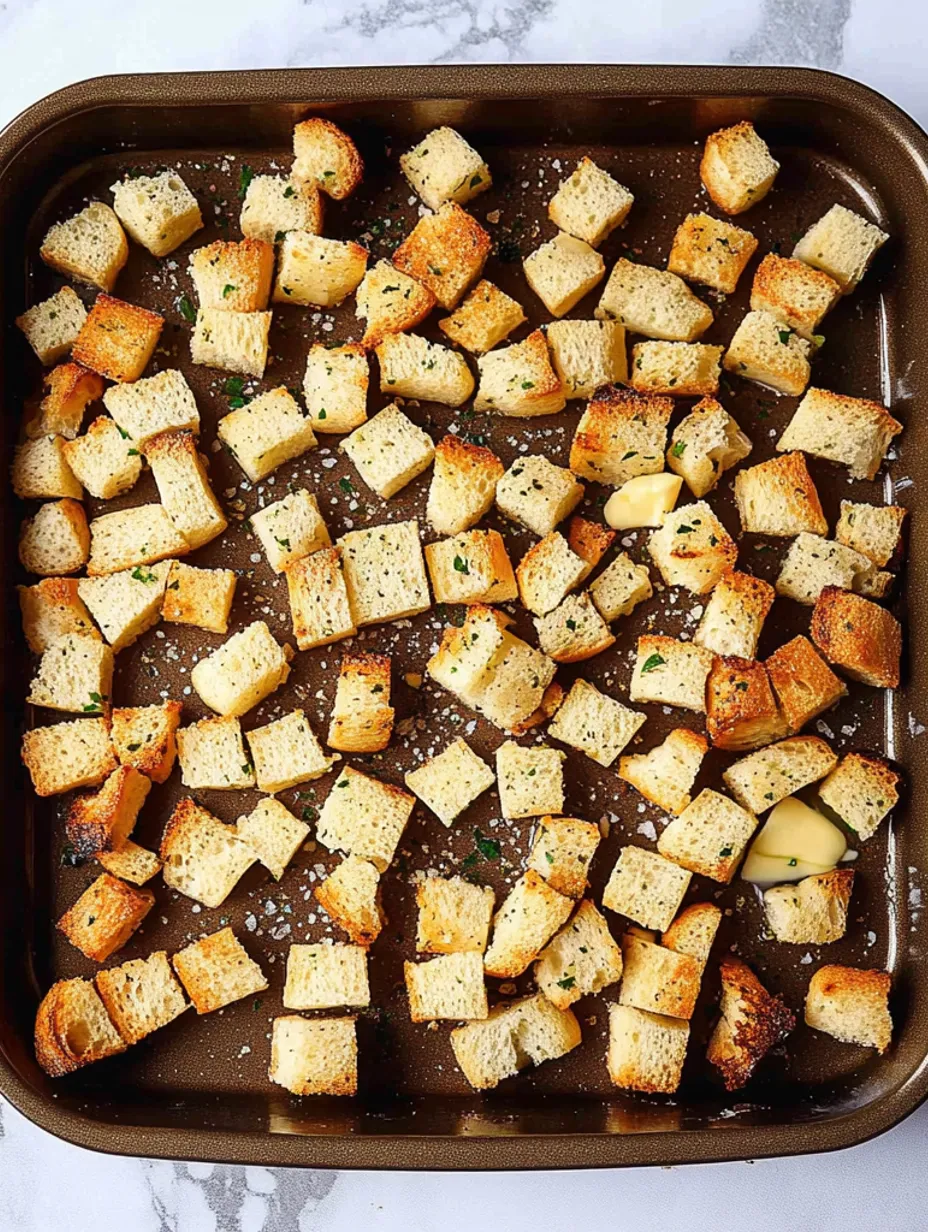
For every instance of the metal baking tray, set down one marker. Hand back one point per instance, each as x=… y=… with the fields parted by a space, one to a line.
x=199 y=1088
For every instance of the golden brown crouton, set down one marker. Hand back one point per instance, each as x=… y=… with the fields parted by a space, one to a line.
x=854 y=431
x=804 y=683
x=589 y=541
x=741 y=709
x=72 y=1028
x=620 y=434
x=233 y=275
x=858 y=636
x=117 y=339
x=325 y=155
x=485 y=318
x=105 y=917
x=737 y=167
x=851 y=1004
x=794 y=293
x=144 y=737
x=778 y=497
x=104 y=820
x=446 y=252
x=69 y=389
x=712 y=252
x=752 y=1022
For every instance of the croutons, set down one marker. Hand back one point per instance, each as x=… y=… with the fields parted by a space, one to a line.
x=657 y=979
x=527 y=919
x=767 y=776
x=317 y=1056
x=40 y=470
x=803 y=682
x=133 y=538
x=91 y=246
x=620 y=587
x=141 y=996
x=57 y=540
x=322 y=977
x=454 y=916
x=873 y=530
x=267 y=432
x=794 y=293
x=318 y=272
x=573 y=631
x=275 y=204
x=444 y=167
x=692 y=548
x=103 y=820
x=446 y=252
x=646 y=1051
x=711 y=252
x=778 y=497
x=653 y=302
x=683 y=369
x=351 y=897
x=199 y=597
x=581 y=959
x=861 y=790
x=594 y=723
x=516 y=1034
x=851 y=1004
x=117 y=339
x=69 y=389
x=384 y=572
x=705 y=443
x=451 y=781
x=812 y=911
x=335 y=386
x=105 y=917
x=52 y=327
x=184 y=487
x=273 y=834
x=413 y=367
x=646 y=887
x=671 y=672
x=853 y=431
x=144 y=737
x=75 y=674
x=737 y=168
x=693 y=932
x=212 y=755
x=325 y=155
x=562 y=851
x=365 y=817
x=812 y=563
x=160 y=403
x=620 y=434
x=590 y=204
x=52 y=608
x=389 y=451
x=485 y=318
x=362 y=717
x=765 y=350
x=319 y=604
x=233 y=276
x=519 y=380
x=741 y=709
x=290 y=529
x=562 y=271
x=472 y=567
x=287 y=753
x=159 y=212
x=105 y=460
x=546 y=573
x=244 y=670
x=734 y=615
x=72 y=1028
x=588 y=540
x=202 y=858
x=390 y=302
x=666 y=774
x=131 y=863
x=859 y=636
x=126 y=604
x=842 y=244
x=217 y=970
x=537 y=493
x=448 y=987
x=233 y=341
x=751 y=1023
x=463 y=485
x=709 y=836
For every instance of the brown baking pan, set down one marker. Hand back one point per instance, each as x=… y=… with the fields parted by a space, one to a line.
x=199 y=1088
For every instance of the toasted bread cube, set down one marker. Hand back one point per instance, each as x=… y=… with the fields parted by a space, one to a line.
x=671 y=672
x=321 y=977
x=90 y=247
x=741 y=708
x=384 y=572
x=317 y=1056
x=692 y=548
x=287 y=753
x=141 y=995
x=273 y=833
x=646 y=887
x=202 y=858
x=199 y=597
x=351 y=897
x=325 y=155
x=413 y=367
x=472 y=567
x=562 y=851
x=117 y=339
x=103 y=820
x=653 y=303
x=767 y=776
x=812 y=911
x=526 y=921
x=516 y=1034
x=56 y=540
x=266 y=433
x=52 y=327
x=794 y=293
x=519 y=380
x=72 y=1028
x=335 y=386
x=620 y=588
x=232 y=341
x=737 y=167
x=693 y=932
x=587 y=355
x=682 y=369
x=646 y=1051
x=658 y=980
x=290 y=529
x=319 y=604
x=666 y=774
x=454 y=916
x=65 y=756
x=390 y=302
x=804 y=684
x=842 y=244
x=448 y=987
x=444 y=167
x=573 y=631
x=590 y=204
x=485 y=318
x=463 y=485
x=859 y=636
x=562 y=271
x=105 y=917
x=316 y=271
x=389 y=451
x=530 y=780
x=851 y=1004
x=132 y=539
x=274 y=205
x=812 y=563
x=233 y=276
x=184 y=487
x=160 y=403
x=709 y=836
x=451 y=781
x=75 y=674
x=365 y=817
x=243 y=671
x=362 y=717
x=105 y=460
x=69 y=390
x=765 y=350
x=537 y=493
x=620 y=434
x=853 y=431
x=594 y=723
x=446 y=252
x=126 y=604
x=50 y=609
x=704 y=444
x=217 y=970
x=861 y=790
x=581 y=959
x=873 y=530
x=778 y=497
x=131 y=863
x=145 y=737
x=590 y=541
x=734 y=615
x=158 y=211
x=711 y=252
x=212 y=755
x=752 y=1022
x=41 y=471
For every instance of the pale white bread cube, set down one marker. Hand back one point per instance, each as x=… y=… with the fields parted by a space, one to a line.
x=812 y=911
x=117 y=339
x=335 y=386
x=317 y=272
x=217 y=970
x=287 y=753
x=712 y=252
x=693 y=932
x=445 y=167
x=583 y=958
x=518 y=380
x=812 y=563
x=851 y=1004
x=562 y=852
x=350 y=896
x=590 y=204
x=314 y=1056
x=873 y=530
x=741 y=706
x=450 y=986
x=73 y=1029
x=40 y=470
x=734 y=615
x=155 y=404
x=384 y=572
x=855 y=432
x=516 y=1034
x=52 y=326
x=594 y=723
x=671 y=672
x=530 y=780
x=804 y=683
x=861 y=790
x=842 y=244
x=322 y=977
x=861 y=638
x=454 y=916
x=692 y=548
x=65 y=756
x=646 y=1051
x=463 y=485
x=653 y=303
x=709 y=836
x=362 y=717
x=184 y=487
x=646 y=887
x=275 y=204
x=131 y=863
x=770 y=353
x=105 y=460
x=526 y=921
x=290 y=529
x=364 y=816
x=202 y=858
x=472 y=567
x=620 y=587
x=145 y=737
x=141 y=996
x=680 y=369
x=705 y=443
x=451 y=781
x=212 y=756
x=319 y=606
x=562 y=271
x=243 y=671
x=105 y=917
x=199 y=597
x=665 y=775
x=133 y=538
x=57 y=540
x=267 y=432
x=50 y=609
x=103 y=820
x=68 y=391
x=737 y=167
x=389 y=451
x=537 y=493
x=587 y=355
x=588 y=540
x=769 y=775
x=413 y=367
x=446 y=252
x=90 y=246
x=574 y=631
x=485 y=317
x=126 y=604
x=75 y=674
x=778 y=497
x=233 y=275
x=232 y=341
x=389 y=302
x=325 y=155
x=752 y=1022
x=620 y=434
x=657 y=979
x=273 y=833
x=157 y=211
x=794 y=293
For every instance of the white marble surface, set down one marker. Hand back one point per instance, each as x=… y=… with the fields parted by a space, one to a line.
x=46 y=1185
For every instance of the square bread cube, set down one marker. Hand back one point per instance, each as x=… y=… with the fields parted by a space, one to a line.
x=518 y=380
x=450 y=782
x=764 y=778
x=232 y=341
x=350 y=896
x=269 y=431
x=91 y=246
x=319 y=604
x=859 y=636
x=445 y=167
x=74 y=674
x=516 y=1034
x=562 y=271
x=321 y=977
x=105 y=460
x=105 y=917
x=325 y=155
x=734 y=615
x=276 y=204
x=287 y=753
x=463 y=485
x=659 y=980
x=573 y=631
x=545 y=574
x=365 y=817
x=770 y=353
x=40 y=470
x=587 y=355
x=778 y=497
x=485 y=317
x=590 y=204
x=145 y=737
x=52 y=327
x=454 y=916
x=472 y=567
x=620 y=434
x=693 y=932
x=65 y=756
x=861 y=790
x=842 y=244
x=683 y=369
x=873 y=530
x=317 y=1056
x=72 y=1028
x=290 y=529
x=103 y=820
x=594 y=723
x=318 y=272
x=530 y=780
x=512 y=692
x=389 y=451
x=524 y=924
x=362 y=717
x=671 y=672
x=390 y=302
x=855 y=432
x=274 y=834
x=141 y=995
x=741 y=707
x=217 y=970
x=335 y=386
x=665 y=775
x=184 y=487
x=56 y=540
x=812 y=563
x=384 y=572
x=653 y=303
x=620 y=587
x=812 y=911
x=413 y=367
x=646 y=1051
x=132 y=539
x=711 y=252
x=804 y=683
x=202 y=858
x=199 y=597
x=126 y=604
x=692 y=548
x=160 y=403
x=469 y=653
x=581 y=959
x=794 y=293
x=68 y=391
x=537 y=493
x=158 y=211
x=130 y=863
x=646 y=887
x=709 y=836
x=212 y=756
x=704 y=444
x=446 y=252
x=850 y=1004
x=562 y=852
x=233 y=275
x=117 y=339
x=448 y=987
x=50 y=609
x=243 y=671
x=737 y=167
x=588 y=540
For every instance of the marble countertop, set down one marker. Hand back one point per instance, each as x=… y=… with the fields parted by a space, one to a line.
x=46 y=1184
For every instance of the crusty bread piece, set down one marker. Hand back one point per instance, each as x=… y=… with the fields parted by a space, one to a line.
x=692 y=548
x=233 y=275
x=75 y=674
x=734 y=615
x=851 y=1004
x=859 y=636
x=390 y=302
x=199 y=597
x=794 y=293
x=322 y=977
x=69 y=390
x=741 y=707
x=202 y=858
x=141 y=995
x=581 y=959
x=273 y=833
x=184 y=487
x=287 y=753
x=318 y=272
x=314 y=1056
x=290 y=529
x=516 y=1034
x=519 y=380
x=854 y=431
x=267 y=432
x=711 y=252
x=319 y=605
x=91 y=246
x=413 y=367
x=158 y=211
x=244 y=670
x=160 y=403
x=145 y=737
x=350 y=896
x=737 y=167
x=590 y=204
x=778 y=497
x=705 y=443
x=671 y=672
x=545 y=574
x=212 y=755
x=573 y=631
x=594 y=723
x=325 y=155
x=463 y=485
x=485 y=317
x=448 y=987
x=537 y=493
x=444 y=167
x=620 y=434
x=103 y=820
x=217 y=970
x=680 y=369
x=276 y=204
x=117 y=339
x=530 y=780
x=646 y=887
x=873 y=530
x=769 y=775
x=620 y=587
x=765 y=350
x=52 y=327
x=842 y=244
x=527 y=919
x=72 y=1028
x=131 y=863
x=364 y=816
x=590 y=541
x=232 y=341
x=812 y=563
x=562 y=851
x=41 y=472
x=653 y=303
x=105 y=460
x=65 y=756
x=562 y=271
x=812 y=911
x=658 y=980
x=451 y=781
x=693 y=932
x=709 y=836
x=445 y=251
x=472 y=567
x=803 y=682
x=454 y=916
x=389 y=451
x=861 y=790
x=752 y=1022
x=132 y=539
x=362 y=717
x=105 y=917
x=50 y=609
x=646 y=1051
x=335 y=386
x=385 y=572
x=57 y=540
x=666 y=774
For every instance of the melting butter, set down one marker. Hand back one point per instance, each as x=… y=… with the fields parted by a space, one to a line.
x=794 y=842
x=642 y=501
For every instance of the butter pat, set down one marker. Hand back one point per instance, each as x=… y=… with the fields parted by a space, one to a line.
x=795 y=842
x=642 y=501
